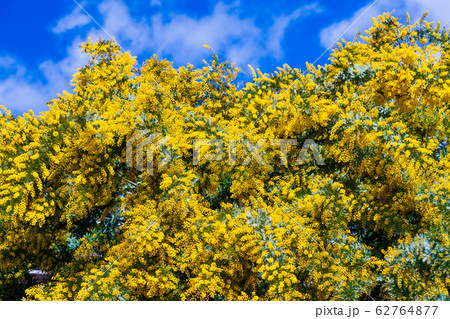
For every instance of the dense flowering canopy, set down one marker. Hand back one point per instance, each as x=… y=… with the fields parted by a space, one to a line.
x=372 y=223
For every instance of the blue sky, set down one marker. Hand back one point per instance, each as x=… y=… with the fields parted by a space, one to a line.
x=39 y=42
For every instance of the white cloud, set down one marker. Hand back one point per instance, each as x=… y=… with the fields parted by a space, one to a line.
x=133 y=35
x=73 y=20
x=276 y=33
x=155 y=2
x=439 y=10
x=7 y=62
x=183 y=36
x=20 y=92
x=58 y=74
x=362 y=20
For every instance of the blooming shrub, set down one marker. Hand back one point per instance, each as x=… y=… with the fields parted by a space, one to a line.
x=371 y=223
